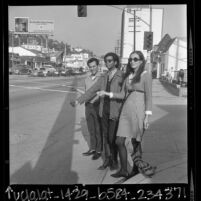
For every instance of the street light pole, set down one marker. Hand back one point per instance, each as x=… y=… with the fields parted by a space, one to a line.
x=149 y=51
x=12 y=48
x=150 y=22
x=47 y=43
x=134 y=31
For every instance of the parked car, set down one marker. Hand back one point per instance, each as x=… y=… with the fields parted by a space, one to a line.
x=34 y=73
x=16 y=72
x=25 y=71
x=42 y=72
x=56 y=73
x=50 y=70
x=10 y=71
x=20 y=69
x=67 y=72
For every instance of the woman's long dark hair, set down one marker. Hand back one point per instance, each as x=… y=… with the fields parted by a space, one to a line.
x=129 y=69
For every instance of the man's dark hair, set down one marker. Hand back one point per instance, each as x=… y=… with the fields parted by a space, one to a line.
x=114 y=56
x=92 y=60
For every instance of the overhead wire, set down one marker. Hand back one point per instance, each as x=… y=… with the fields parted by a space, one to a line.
x=122 y=9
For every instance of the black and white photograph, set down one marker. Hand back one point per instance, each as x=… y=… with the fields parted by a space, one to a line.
x=98 y=94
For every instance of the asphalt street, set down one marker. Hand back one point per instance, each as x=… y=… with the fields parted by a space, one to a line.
x=40 y=115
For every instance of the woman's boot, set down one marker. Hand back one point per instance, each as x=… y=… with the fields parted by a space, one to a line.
x=136 y=156
x=140 y=166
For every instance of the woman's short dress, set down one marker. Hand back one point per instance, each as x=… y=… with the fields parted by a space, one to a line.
x=132 y=116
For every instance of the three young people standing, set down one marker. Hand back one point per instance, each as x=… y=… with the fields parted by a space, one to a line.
x=134 y=88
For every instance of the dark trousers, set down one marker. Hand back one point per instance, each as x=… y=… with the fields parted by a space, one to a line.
x=109 y=131
x=93 y=124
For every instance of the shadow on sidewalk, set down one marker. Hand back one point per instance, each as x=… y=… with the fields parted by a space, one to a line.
x=84 y=130
x=165 y=146
x=166 y=139
x=54 y=163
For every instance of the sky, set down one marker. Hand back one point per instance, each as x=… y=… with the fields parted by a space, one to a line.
x=101 y=29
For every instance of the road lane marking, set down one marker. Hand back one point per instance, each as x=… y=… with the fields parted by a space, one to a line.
x=62 y=91
x=63 y=85
x=46 y=83
x=72 y=86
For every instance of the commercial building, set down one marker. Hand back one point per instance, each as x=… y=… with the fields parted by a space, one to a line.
x=77 y=58
x=175 y=58
x=32 y=58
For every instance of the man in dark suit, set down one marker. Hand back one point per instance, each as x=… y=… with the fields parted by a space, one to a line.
x=109 y=109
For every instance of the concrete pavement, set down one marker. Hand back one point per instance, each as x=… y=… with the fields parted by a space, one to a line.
x=164 y=144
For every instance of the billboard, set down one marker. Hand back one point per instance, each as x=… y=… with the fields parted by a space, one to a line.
x=41 y=26
x=24 y=25
x=21 y=24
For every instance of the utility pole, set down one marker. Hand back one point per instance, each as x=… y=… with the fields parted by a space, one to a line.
x=150 y=24
x=65 y=56
x=134 y=30
x=47 y=43
x=118 y=47
x=19 y=37
x=149 y=51
x=12 y=48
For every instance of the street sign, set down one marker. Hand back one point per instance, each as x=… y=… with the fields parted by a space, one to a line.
x=165 y=43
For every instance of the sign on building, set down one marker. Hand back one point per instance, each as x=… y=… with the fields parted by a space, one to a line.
x=165 y=43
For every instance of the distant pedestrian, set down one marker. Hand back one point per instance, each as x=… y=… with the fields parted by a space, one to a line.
x=171 y=75
x=110 y=81
x=181 y=76
x=92 y=112
x=134 y=118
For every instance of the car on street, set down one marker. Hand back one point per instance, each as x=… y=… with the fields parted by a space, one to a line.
x=34 y=73
x=25 y=71
x=56 y=73
x=11 y=71
x=42 y=72
x=67 y=72
x=49 y=69
x=46 y=70
x=20 y=69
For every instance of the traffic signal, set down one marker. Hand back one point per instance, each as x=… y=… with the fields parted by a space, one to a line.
x=82 y=11
x=148 y=40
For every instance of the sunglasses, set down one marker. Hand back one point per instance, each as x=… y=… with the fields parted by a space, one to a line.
x=108 y=60
x=134 y=59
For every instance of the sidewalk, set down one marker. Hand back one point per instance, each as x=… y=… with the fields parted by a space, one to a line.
x=175 y=89
x=164 y=144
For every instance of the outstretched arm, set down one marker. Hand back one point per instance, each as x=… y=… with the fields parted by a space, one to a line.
x=120 y=95
x=90 y=93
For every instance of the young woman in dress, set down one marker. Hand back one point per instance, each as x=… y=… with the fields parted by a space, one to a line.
x=134 y=117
